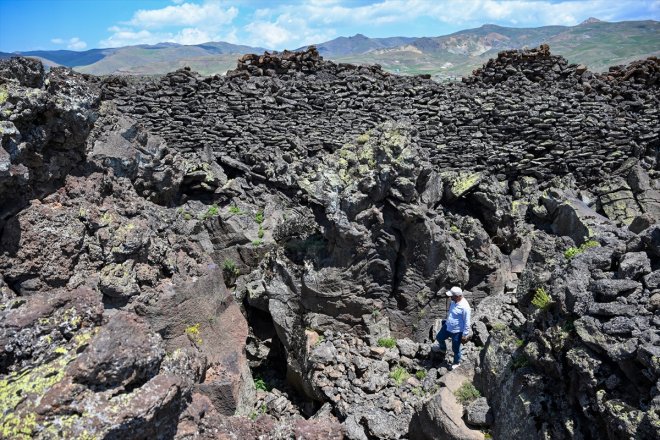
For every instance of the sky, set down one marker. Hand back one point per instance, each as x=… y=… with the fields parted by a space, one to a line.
x=288 y=24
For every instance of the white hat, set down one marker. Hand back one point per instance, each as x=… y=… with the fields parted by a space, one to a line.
x=455 y=291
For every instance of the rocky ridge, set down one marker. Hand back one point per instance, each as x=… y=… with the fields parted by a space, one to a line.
x=225 y=257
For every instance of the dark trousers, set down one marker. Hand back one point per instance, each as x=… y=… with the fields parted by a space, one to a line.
x=442 y=336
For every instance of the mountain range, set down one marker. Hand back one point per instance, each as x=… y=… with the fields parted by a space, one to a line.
x=596 y=43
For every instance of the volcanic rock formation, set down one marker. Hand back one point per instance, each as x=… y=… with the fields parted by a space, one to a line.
x=259 y=255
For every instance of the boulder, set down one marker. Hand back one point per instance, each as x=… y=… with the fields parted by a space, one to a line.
x=478 y=413
x=123 y=353
x=634 y=265
x=441 y=417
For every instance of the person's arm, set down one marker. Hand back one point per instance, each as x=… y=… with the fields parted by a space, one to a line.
x=466 y=323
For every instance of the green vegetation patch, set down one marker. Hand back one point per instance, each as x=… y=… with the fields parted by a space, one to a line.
x=260 y=384
x=4 y=94
x=467 y=393
x=387 y=342
x=400 y=375
x=573 y=251
x=235 y=210
x=193 y=333
x=542 y=299
x=519 y=362
x=213 y=211
x=421 y=375
x=229 y=267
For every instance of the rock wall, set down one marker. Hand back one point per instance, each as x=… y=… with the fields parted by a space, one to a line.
x=296 y=215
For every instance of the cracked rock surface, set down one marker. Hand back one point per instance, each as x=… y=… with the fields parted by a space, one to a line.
x=259 y=255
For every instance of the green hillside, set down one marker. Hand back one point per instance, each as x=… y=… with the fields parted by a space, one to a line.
x=595 y=43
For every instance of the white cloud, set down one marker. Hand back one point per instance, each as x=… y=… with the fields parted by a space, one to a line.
x=268 y=34
x=286 y=30
x=294 y=23
x=185 y=14
x=473 y=12
x=76 y=43
x=191 y=36
x=128 y=37
x=184 y=23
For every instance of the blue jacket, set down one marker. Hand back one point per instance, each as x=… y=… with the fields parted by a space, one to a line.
x=458 y=317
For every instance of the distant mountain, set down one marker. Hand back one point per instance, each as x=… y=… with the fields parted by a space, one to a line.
x=593 y=42
x=208 y=58
x=596 y=43
x=358 y=44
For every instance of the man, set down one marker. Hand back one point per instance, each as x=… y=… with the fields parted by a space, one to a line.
x=457 y=325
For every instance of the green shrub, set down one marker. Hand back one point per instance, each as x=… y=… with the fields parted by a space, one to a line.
x=213 y=211
x=421 y=375
x=261 y=384
x=573 y=251
x=229 y=267
x=192 y=331
x=519 y=342
x=399 y=374
x=260 y=234
x=542 y=299
x=387 y=342
x=498 y=326
x=466 y=393
x=519 y=362
x=233 y=209
x=258 y=412
x=257 y=242
x=259 y=217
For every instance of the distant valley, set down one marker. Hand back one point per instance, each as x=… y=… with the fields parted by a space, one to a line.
x=596 y=43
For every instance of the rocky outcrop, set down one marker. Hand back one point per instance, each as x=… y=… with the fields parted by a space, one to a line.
x=264 y=253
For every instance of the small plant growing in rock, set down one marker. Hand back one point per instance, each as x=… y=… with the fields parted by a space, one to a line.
x=421 y=375
x=466 y=393
x=399 y=374
x=229 y=267
x=258 y=412
x=498 y=326
x=192 y=331
x=519 y=362
x=233 y=209
x=259 y=217
x=573 y=251
x=213 y=211
x=257 y=242
x=542 y=299
x=519 y=342
x=261 y=384
x=387 y=342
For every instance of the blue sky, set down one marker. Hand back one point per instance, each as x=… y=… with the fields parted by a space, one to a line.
x=85 y=24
